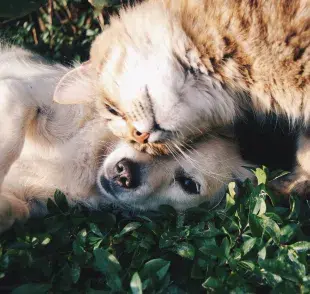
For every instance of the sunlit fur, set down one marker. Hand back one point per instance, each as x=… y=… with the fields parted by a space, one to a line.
x=186 y=66
x=45 y=146
x=178 y=68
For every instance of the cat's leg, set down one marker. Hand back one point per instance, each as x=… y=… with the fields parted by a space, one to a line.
x=298 y=181
x=16 y=112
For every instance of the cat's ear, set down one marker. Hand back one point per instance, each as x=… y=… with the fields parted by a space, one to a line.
x=76 y=86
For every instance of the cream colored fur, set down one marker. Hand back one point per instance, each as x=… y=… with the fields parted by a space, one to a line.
x=175 y=69
x=45 y=146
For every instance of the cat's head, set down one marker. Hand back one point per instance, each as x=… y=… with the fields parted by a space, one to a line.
x=147 y=79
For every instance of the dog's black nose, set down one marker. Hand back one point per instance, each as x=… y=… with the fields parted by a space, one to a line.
x=126 y=174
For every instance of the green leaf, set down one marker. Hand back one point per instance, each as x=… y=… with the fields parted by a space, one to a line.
x=255 y=225
x=260 y=206
x=77 y=248
x=212 y=283
x=301 y=246
x=288 y=232
x=32 y=289
x=135 y=284
x=247 y=265
x=129 y=228
x=156 y=267
x=272 y=228
x=46 y=241
x=230 y=202
x=286 y=265
x=225 y=247
x=52 y=207
x=274 y=216
x=167 y=239
x=94 y=228
x=248 y=245
x=185 y=250
x=81 y=237
x=19 y=8
x=101 y=4
x=277 y=174
x=262 y=253
x=231 y=189
x=261 y=175
x=294 y=207
x=61 y=201
x=75 y=272
x=285 y=287
x=106 y=262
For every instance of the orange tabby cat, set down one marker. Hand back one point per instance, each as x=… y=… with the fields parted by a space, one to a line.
x=168 y=71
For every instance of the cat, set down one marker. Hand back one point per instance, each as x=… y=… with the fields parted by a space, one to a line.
x=166 y=72
x=45 y=146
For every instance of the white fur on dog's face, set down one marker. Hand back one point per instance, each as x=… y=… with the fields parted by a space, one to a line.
x=182 y=182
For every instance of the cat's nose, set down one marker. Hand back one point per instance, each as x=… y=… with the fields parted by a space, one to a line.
x=139 y=137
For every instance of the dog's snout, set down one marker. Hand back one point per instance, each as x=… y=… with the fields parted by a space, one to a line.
x=126 y=174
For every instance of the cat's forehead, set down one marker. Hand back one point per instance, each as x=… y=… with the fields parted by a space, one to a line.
x=128 y=72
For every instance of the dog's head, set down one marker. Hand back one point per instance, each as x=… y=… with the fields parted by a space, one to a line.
x=139 y=181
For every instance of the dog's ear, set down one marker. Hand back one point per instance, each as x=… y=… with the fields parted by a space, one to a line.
x=76 y=86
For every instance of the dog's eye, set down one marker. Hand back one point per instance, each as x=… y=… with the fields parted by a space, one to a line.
x=189 y=185
x=112 y=110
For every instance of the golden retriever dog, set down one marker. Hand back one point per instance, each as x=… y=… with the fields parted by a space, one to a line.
x=45 y=146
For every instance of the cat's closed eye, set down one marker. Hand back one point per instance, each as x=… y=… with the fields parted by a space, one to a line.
x=112 y=110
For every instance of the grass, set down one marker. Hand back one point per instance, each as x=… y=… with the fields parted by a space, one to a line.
x=251 y=244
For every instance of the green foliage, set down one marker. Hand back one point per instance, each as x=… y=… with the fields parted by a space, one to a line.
x=248 y=245
x=18 y=8
x=61 y=30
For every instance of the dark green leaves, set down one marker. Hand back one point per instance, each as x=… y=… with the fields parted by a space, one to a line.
x=107 y=264
x=19 y=8
x=135 y=284
x=32 y=289
x=185 y=250
x=301 y=246
x=100 y=4
x=246 y=245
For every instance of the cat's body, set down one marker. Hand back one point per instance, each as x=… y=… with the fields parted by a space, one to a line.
x=171 y=70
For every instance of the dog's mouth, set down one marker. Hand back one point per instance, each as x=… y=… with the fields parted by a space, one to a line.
x=124 y=177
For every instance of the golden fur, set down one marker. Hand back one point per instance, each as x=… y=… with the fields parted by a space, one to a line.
x=172 y=70
x=45 y=146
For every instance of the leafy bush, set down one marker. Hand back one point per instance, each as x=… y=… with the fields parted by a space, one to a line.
x=250 y=244
x=61 y=30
